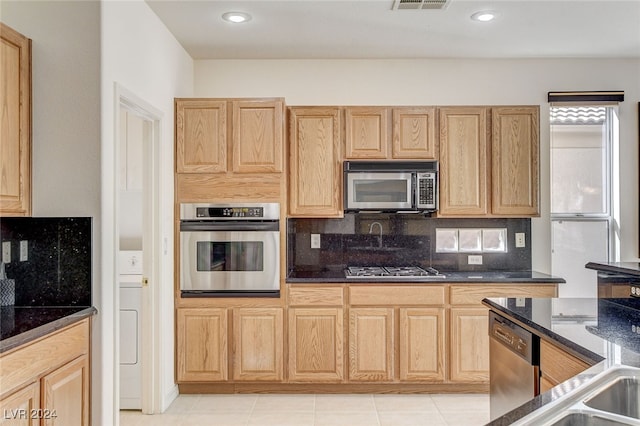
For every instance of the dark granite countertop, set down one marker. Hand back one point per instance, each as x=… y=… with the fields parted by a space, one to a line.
x=597 y=331
x=23 y=324
x=337 y=276
x=630 y=268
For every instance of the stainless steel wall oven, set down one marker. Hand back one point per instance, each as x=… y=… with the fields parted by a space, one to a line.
x=230 y=250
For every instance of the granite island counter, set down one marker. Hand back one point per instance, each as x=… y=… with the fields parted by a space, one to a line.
x=595 y=331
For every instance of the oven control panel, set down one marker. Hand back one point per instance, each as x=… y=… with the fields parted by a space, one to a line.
x=225 y=212
x=218 y=212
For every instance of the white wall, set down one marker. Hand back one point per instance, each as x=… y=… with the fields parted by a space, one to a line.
x=450 y=82
x=140 y=55
x=66 y=124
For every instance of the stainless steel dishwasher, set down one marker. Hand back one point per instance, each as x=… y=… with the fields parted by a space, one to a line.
x=514 y=365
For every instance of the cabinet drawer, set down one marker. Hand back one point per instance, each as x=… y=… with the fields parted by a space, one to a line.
x=396 y=295
x=557 y=365
x=317 y=296
x=472 y=294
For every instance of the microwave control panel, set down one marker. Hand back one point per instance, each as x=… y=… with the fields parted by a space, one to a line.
x=426 y=190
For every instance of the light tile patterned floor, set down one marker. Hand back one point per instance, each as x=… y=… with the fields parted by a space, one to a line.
x=318 y=410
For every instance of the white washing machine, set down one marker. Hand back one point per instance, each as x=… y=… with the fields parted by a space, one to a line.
x=130 y=281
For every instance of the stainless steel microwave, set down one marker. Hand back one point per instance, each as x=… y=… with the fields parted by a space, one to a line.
x=391 y=186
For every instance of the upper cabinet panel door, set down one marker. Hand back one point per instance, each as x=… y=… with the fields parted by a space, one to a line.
x=258 y=127
x=414 y=133
x=367 y=133
x=201 y=136
x=515 y=167
x=15 y=123
x=463 y=162
x=315 y=174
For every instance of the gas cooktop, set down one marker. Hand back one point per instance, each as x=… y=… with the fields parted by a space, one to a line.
x=392 y=273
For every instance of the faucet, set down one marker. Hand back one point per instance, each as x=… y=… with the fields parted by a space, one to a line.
x=379 y=236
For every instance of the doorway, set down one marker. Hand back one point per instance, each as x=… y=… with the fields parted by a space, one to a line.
x=137 y=164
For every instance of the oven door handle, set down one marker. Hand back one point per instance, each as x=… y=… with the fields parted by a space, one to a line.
x=187 y=226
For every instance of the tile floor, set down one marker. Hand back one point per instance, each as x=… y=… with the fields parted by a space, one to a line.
x=318 y=410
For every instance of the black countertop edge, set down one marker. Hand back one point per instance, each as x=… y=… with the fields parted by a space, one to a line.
x=507 y=277
x=629 y=268
x=42 y=330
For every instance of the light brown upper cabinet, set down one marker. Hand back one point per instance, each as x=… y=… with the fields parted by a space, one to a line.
x=411 y=135
x=315 y=176
x=515 y=161
x=489 y=160
x=414 y=133
x=258 y=135
x=366 y=132
x=15 y=123
x=463 y=161
x=255 y=127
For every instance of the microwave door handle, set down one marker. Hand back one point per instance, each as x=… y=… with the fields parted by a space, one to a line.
x=414 y=193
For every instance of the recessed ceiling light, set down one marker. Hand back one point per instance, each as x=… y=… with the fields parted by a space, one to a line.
x=484 y=16
x=236 y=17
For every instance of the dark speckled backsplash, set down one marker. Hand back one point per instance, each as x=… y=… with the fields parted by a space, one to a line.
x=58 y=269
x=407 y=240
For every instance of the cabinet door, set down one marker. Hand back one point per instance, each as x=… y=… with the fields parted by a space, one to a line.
x=463 y=162
x=202 y=345
x=258 y=136
x=315 y=171
x=557 y=365
x=515 y=164
x=17 y=408
x=316 y=345
x=371 y=344
x=65 y=394
x=15 y=123
x=367 y=133
x=201 y=136
x=258 y=344
x=422 y=343
x=469 y=350
x=414 y=133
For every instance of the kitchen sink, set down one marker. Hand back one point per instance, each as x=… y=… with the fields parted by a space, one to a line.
x=585 y=419
x=620 y=397
x=611 y=397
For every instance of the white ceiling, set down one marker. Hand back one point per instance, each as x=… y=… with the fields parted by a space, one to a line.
x=357 y=29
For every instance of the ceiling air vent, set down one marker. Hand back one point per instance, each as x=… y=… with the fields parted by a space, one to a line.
x=419 y=4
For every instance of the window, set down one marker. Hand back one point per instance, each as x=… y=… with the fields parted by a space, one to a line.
x=583 y=142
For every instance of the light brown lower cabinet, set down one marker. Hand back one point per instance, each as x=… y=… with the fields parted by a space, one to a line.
x=255 y=338
x=258 y=344
x=316 y=338
x=469 y=350
x=557 y=365
x=65 y=394
x=17 y=408
x=339 y=334
x=371 y=344
x=47 y=382
x=422 y=344
x=202 y=344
